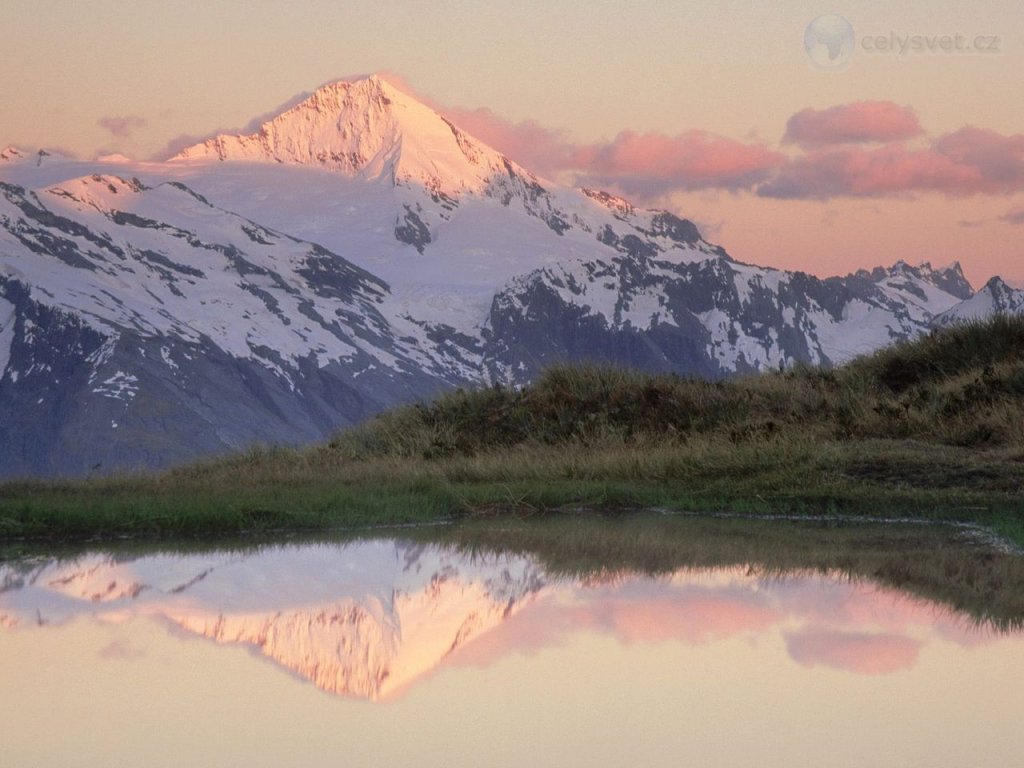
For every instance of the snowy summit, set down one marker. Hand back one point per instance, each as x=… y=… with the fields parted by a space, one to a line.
x=356 y=252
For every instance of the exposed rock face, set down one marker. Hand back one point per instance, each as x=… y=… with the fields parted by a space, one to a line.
x=996 y=297
x=365 y=619
x=357 y=252
x=711 y=318
x=133 y=341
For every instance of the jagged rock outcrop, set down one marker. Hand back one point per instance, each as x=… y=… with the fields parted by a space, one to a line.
x=360 y=251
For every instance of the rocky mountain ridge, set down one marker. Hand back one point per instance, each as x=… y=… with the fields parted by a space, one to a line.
x=361 y=251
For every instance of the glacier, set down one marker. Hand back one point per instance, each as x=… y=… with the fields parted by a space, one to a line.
x=361 y=251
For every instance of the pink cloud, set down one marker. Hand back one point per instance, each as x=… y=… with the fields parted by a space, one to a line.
x=695 y=618
x=647 y=164
x=999 y=159
x=654 y=163
x=857 y=122
x=542 y=150
x=644 y=164
x=861 y=653
x=859 y=172
x=859 y=627
x=832 y=160
x=633 y=613
x=122 y=126
x=969 y=161
x=1015 y=217
x=650 y=165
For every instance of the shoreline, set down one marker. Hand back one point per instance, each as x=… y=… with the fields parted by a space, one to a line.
x=931 y=430
x=959 y=565
x=165 y=529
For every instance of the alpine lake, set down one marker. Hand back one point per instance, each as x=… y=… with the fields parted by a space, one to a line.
x=577 y=640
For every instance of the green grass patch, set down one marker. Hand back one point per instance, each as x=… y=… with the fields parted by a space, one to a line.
x=932 y=429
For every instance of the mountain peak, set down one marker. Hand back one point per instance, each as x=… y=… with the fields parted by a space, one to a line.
x=952 y=280
x=949 y=279
x=994 y=297
x=367 y=128
x=996 y=285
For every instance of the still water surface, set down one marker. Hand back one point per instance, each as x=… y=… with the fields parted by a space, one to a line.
x=395 y=653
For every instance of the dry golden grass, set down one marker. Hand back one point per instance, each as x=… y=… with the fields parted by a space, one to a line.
x=933 y=429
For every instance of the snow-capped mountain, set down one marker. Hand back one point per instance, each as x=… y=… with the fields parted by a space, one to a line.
x=365 y=619
x=711 y=317
x=371 y=131
x=372 y=619
x=142 y=324
x=360 y=251
x=996 y=297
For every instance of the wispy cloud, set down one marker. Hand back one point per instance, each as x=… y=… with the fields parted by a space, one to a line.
x=647 y=164
x=1015 y=217
x=122 y=126
x=859 y=149
x=862 y=653
x=543 y=150
x=655 y=163
x=183 y=141
x=851 y=150
x=121 y=650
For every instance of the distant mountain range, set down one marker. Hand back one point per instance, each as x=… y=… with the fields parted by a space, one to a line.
x=360 y=251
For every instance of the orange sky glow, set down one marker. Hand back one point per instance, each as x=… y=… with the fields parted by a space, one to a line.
x=912 y=148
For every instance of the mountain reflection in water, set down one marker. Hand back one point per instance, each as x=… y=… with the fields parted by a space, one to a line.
x=369 y=619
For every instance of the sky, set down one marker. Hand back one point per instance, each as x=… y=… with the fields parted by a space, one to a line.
x=908 y=145
x=687 y=668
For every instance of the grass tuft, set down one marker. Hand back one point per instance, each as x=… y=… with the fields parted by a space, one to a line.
x=932 y=429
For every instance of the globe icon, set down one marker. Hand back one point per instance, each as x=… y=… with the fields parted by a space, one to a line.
x=829 y=41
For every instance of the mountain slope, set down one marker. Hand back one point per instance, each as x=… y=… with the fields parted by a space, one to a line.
x=142 y=325
x=711 y=318
x=365 y=619
x=370 y=130
x=359 y=251
x=365 y=128
x=994 y=298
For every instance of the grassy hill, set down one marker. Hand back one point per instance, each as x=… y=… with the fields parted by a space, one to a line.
x=928 y=429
